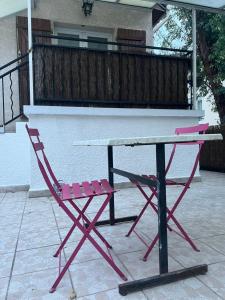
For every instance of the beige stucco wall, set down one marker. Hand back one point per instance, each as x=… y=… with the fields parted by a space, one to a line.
x=105 y=15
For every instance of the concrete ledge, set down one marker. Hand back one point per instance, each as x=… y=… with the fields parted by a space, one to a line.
x=105 y=112
x=121 y=185
x=14 y=188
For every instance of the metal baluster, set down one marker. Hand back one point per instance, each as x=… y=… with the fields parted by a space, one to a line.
x=11 y=95
x=3 y=105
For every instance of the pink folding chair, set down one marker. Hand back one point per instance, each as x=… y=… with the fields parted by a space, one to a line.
x=66 y=196
x=170 y=212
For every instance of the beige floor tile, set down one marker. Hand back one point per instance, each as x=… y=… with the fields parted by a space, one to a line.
x=140 y=269
x=95 y=276
x=10 y=220
x=86 y=253
x=215 y=278
x=12 y=208
x=188 y=258
x=185 y=289
x=7 y=242
x=6 y=264
x=15 y=197
x=3 y=287
x=216 y=242
x=34 y=260
x=38 y=239
x=35 y=286
x=38 y=205
x=114 y=295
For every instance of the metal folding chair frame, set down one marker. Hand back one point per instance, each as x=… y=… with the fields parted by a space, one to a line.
x=170 y=212
x=63 y=194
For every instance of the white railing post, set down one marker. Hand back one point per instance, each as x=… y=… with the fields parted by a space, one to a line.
x=30 y=49
x=194 y=58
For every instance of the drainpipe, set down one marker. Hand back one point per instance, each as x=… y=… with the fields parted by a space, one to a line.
x=194 y=58
x=30 y=49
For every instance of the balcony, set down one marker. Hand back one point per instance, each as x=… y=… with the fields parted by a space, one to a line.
x=127 y=75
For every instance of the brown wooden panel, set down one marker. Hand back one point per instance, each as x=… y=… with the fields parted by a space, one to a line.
x=146 y=79
x=38 y=74
x=100 y=76
x=115 y=76
x=84 y=69
x=75 y=65
x=139 y=78
x=130 y=80
x=92 y=75
x=67 y=74
x=58 y=73
x=124 y=77
x=108 y=76
x=167 y=78
x=212 y=156
x=174 y=80
x=153 y=78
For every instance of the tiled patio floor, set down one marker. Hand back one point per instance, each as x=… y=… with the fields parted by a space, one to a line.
x=30 y=230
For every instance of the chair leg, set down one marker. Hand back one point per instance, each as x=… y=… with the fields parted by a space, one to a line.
x=88 y=222
x=87 y=235
x=142 y=211
x=184 y=234
x=171 y=216
x=65 y=241
x=72 y=228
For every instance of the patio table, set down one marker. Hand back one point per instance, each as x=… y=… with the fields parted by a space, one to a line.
x=159 y=141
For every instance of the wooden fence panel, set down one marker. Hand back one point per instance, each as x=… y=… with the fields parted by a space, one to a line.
x=213 y=153
x=71 y=76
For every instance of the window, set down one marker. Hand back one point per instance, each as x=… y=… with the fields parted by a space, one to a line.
x=91 y=36
x=69 y=43
x=97 y=46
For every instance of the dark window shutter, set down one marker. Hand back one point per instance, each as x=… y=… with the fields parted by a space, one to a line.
x=133 y=37
x=39 y=26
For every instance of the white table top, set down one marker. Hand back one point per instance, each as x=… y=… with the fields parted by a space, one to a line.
x=150 y=140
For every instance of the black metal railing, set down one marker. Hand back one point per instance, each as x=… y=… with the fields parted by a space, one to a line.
x=11 y=76
x=123 y=75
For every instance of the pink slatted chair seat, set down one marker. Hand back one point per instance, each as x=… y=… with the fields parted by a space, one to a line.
x=86 y=189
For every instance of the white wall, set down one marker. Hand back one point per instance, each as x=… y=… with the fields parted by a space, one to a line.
x=59 y=127
x=15 y=159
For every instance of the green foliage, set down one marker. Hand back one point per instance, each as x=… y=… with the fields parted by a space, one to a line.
x=179 y=28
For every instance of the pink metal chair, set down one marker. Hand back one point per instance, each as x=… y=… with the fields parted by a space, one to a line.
x=149 y=199
x=66 y=196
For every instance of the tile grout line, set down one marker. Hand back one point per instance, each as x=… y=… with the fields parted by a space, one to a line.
x=117 y=256
x=14 y=256
x=197 y=277
x=70 y=277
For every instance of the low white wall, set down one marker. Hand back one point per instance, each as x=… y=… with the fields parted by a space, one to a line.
x=15 y=160
x=59 y=127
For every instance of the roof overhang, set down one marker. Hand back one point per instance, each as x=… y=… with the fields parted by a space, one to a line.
x=9 y=7
x=215 y=6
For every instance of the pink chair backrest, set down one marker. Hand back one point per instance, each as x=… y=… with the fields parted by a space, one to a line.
x=201 y=128
x=43 y=162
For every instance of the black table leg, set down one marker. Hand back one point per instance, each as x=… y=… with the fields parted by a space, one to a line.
x=112 y=220
x=111 y=182
x=162 y=213
x=165 y=276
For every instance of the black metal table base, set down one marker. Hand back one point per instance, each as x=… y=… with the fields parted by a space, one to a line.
x=154 y=281
x=116 y=221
